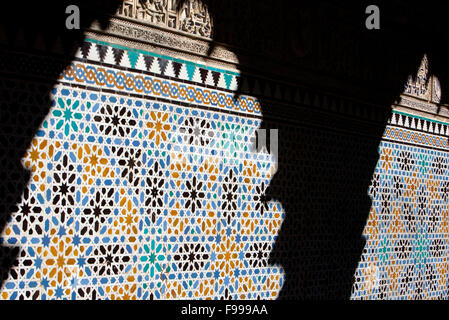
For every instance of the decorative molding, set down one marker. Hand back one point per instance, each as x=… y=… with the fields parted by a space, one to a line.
x=423 y=95
x=192 y=17
x=424 y=87
x=177 y=44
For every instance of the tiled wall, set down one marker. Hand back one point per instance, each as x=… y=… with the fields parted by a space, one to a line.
x=406 y=253
x=145 y=185
x=152 y=196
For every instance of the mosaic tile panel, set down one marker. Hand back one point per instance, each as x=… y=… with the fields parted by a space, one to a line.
x=135 y=199
x=406 y=254
x=145 y=185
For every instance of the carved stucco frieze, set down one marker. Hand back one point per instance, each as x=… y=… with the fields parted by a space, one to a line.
x=424 y=87
x=186 y=32
x=165 y=41
x=192 y=17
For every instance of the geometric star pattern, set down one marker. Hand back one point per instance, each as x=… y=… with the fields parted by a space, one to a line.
x=152 y=189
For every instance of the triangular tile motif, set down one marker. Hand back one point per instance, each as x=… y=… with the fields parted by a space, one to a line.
x=148 y=61
x=85 y=47
x=79 y=53
x=162 y=64
x=183 y=73
x=393 y=119
x=419 y=124
x=222 y=82
x=155 y=66
x=177 y=68
x=125 y=61
x=109 y=56
x=169 y=70
x=210 y=81
x=93 y=53
x=407 y=122
x=234 y=86
x=436 y=128
x=228 y=79
x=190 y=67
x=203 y=74
x=401 y=120
x=102 y=50
x=425 y=125
x=215 y=77
x=197 y=76
x=133 y=57
x=140 y=63
x=118 y=54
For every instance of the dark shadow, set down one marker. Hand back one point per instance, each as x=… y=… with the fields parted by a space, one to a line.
x=37 y=28
x=328 y=142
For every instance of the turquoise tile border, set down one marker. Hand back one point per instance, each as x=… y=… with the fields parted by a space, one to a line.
x=190 y=65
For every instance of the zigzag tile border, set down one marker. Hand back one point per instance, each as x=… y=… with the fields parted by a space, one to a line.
x=143 y=187
x=119 y=56
x=155 y=87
